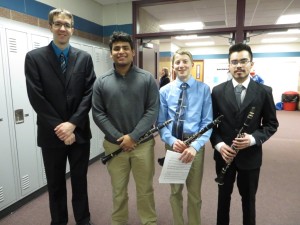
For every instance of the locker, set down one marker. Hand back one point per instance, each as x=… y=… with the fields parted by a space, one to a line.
x=7 y=181
x=37 y=41
x=95 y=141
x=27 y=151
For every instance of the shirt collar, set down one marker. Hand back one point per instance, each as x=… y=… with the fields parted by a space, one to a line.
x=190 y=82
x=58 y=51
x=245 y=83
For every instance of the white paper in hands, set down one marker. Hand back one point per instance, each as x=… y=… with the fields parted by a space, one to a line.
x=174 y=171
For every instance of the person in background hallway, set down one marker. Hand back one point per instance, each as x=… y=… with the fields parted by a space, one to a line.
x=164 y=79
x=245 y=168
x=125 y=106
x=198 y=114
x=60 y=94
x=256 y=77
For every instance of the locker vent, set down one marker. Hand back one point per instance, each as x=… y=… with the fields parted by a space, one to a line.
x=98 y=56
x=36 y=45
x=1 y=194
x=12 y=42
x=25 y=182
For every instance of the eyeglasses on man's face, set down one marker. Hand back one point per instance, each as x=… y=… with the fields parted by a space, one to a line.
x=242 y=62
x=58 y=25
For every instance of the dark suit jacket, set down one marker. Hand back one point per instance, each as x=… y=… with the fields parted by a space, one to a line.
x=262 y=126
x=58 y=98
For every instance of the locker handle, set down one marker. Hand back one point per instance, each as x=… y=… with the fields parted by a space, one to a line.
x=26 y=114
x=1 y=119
x=19 y=116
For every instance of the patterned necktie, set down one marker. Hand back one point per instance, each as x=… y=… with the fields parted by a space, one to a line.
x=63 y=64
x=238 y=93
x=177 y=129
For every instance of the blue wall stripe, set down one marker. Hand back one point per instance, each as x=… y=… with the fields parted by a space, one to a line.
x=41 y=10
x=87 y=26
x=37 y=9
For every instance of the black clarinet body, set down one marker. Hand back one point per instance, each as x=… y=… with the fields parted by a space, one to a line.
x=188 y=141
x=220 y=178
x=108 y=157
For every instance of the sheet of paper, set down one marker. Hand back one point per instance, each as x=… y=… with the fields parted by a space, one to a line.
x=174 y=171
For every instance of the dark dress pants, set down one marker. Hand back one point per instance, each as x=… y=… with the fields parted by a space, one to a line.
x=247 y=183
x=55 y=160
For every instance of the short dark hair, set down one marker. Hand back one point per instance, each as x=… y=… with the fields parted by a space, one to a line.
x=56 y=12
x=240 y=47
x=120 y=36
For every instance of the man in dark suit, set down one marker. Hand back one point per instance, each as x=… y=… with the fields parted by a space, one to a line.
x=59 y=82
x=245 y=166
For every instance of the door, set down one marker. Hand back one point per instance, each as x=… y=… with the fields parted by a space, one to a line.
x=17 y=47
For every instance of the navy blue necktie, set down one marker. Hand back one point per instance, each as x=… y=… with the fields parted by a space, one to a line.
x=63 y=63
x=177 y=129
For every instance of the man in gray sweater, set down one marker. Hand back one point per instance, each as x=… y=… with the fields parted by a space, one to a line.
x=125 y=106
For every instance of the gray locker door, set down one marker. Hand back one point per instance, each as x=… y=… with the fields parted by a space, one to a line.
x=95 y=150
x=97 y=133
x=17 y=44
x=7 y=178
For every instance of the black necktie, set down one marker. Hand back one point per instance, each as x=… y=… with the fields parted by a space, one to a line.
x=63 y=64
x=238 y=93
x=177 y=129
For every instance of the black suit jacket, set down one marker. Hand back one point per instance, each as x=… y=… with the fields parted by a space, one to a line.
x=58 y=98
x=262 y=126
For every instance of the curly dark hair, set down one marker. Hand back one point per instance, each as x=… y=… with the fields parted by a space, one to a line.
x=120 y=36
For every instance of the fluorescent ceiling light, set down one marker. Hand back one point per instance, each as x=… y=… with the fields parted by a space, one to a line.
x=190 y=37
x=278 y=40
x=287 y=19
x=289 y=31
x=182 y=26
x=203 y=43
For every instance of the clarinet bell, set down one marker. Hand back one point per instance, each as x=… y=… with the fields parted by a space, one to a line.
x=161 y=161
x=220 y=180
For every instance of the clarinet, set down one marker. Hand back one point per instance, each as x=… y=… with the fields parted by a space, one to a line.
x=106 y=158
x=220 y=177
x=188 y=141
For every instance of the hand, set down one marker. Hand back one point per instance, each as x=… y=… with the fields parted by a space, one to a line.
x=242 y=142
x=188 y=155
x=127 y=143
x=64 y=130
x=179 y=146
x=227 y=153
x=70 y=140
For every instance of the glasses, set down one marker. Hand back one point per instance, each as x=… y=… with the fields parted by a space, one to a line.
x=242 y=62
x=58 y=25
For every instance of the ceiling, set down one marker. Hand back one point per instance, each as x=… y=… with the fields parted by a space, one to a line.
x=222 y=14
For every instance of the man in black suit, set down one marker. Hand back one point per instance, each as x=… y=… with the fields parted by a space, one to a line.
x=245 y=167
x=60 y=94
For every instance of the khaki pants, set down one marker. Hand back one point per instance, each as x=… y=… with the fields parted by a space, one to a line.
x=141 y=162
x=193 y=185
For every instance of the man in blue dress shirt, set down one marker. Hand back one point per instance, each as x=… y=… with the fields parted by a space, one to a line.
x=198 y=114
